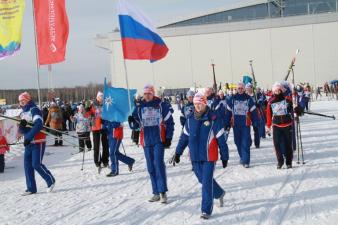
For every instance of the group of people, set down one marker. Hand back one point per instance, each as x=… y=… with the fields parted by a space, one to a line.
x=206 y=120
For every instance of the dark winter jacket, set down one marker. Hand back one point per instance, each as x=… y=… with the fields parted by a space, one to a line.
x=279 y=112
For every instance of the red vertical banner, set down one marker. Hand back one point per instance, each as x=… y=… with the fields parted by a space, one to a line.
x=52 y=30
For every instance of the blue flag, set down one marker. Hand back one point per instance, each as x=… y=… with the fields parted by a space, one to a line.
x=247 y=79
x=116 y=107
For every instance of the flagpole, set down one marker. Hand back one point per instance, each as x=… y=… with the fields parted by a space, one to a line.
x=36 y=55
x=127 y=82
x=49 y=77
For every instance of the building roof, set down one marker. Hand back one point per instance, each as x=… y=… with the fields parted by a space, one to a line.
x=234 y=4
x=105 y=40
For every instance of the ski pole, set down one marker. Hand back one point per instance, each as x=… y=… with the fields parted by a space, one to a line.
x=83 y=156
x=10 y=144
x=319 y=114
x=301 y=144
x=123 y=149
x=297 y=133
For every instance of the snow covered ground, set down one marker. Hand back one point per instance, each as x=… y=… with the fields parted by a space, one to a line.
x=306 y=194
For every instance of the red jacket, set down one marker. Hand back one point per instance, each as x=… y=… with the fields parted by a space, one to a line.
x=96 y=112
x=3 y=145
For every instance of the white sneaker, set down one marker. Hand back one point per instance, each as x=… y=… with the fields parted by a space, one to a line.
x=163 y=198
x=221 y=200
x=154 y=198
x=50 y=188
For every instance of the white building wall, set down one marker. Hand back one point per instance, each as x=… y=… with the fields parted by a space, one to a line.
x=189 y=58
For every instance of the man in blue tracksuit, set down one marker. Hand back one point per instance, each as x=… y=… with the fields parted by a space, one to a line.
x=220 y=108
x=262 y=103
x=211 y=97
x=242 y=113
x=35 y=144
x=188 y=108
x=154 y=118
x=115 y=136
x=204 y=134
x=257 y=136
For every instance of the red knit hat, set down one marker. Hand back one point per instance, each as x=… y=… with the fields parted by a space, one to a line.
x=25 y=96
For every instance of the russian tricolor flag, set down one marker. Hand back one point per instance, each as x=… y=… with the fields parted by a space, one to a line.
x=139 y=37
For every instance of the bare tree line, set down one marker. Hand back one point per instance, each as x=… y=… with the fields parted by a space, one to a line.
x=74 y=94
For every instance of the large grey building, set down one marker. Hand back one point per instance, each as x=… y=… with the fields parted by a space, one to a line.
x=267 y=32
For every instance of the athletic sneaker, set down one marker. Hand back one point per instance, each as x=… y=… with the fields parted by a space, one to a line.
x=51 y=187
x=288 y=166
x=163 y=198
x=154 y=198
x=112 y=174
x=246 y=165
x=27 y=193
x=221 y=200
x=205 y=216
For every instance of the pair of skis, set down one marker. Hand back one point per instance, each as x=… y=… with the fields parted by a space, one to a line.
x=46 y=130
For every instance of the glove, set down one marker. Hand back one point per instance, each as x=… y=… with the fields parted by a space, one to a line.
x=227 y=128
x=167 y=143
x=225 y=163
x=268 y=131
x=26 y=142
x=131 y=119
x=175 y=159
x=23 y=123
x=299 y=111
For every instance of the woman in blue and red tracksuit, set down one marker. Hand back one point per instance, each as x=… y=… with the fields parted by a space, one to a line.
x=115 y=136
x=154 y=118
x=35 y=144
x=242 y=114
x=279 y=116
x=204 y=134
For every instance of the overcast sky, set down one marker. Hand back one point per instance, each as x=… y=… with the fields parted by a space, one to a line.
x=86 y=63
